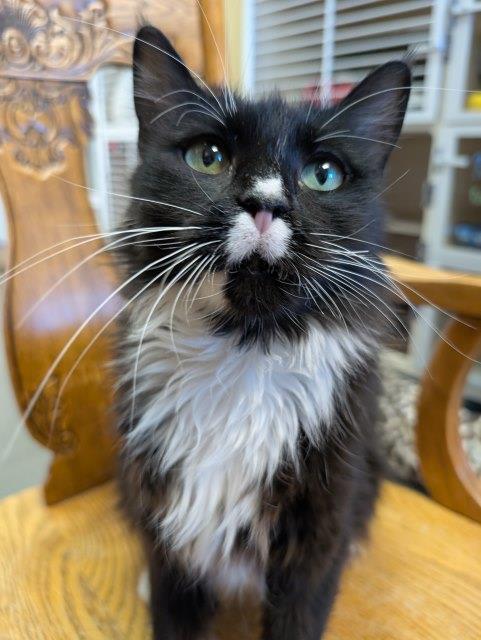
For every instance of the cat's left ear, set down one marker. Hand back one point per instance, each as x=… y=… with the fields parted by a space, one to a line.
x=161 y=79
x=375 y=110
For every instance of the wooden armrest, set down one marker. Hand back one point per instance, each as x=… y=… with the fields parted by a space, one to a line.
x=444 y=465
x=450 y=290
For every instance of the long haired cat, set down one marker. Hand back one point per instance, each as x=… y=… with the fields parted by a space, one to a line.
x=249 y=354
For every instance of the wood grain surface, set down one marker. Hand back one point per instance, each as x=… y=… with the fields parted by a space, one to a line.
x=70 y=571
x=444 y=464
x=451 y=290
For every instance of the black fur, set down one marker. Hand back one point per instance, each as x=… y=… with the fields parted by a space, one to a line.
x=318 y=513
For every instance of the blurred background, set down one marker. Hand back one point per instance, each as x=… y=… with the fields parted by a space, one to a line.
x=433 y=183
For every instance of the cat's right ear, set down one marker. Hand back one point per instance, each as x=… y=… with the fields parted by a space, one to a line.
x=159 y=74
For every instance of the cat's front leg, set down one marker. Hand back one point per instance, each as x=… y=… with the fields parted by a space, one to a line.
x=182 y=607
x=299 y=599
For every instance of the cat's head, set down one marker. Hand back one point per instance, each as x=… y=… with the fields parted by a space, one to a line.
x=279 y=200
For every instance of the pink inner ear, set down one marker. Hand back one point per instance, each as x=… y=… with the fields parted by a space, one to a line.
x=263 y=220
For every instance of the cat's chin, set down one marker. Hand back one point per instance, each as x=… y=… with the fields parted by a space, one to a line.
x=255 y=267
x=255 y=287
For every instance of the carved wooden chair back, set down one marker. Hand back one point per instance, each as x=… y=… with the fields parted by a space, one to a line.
x=58 y=312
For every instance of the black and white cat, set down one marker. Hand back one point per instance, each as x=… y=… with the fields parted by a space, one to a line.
x=249 y=353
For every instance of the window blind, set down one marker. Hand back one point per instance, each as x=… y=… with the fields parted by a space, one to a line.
x=296 y=50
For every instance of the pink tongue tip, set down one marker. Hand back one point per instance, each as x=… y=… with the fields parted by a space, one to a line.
x=263 y=220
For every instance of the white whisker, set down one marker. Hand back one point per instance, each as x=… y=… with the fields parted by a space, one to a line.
x=178 y=106
x=91 y=256
x=34 y=399
x=19 y=269
x=333 y=137
x=228 y=95
x=394 y=289
x=359 y=100
x=391 y=184
x=128 y=197
x=101 y=331
x=171 y=93
x=145 y=327
x=211 y=115
x=207 y=268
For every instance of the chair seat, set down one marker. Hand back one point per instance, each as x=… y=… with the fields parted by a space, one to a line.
x=71 y=571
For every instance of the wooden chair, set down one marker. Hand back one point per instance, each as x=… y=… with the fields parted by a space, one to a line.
x=70 y=569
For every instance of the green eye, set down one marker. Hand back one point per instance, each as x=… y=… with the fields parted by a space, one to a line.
x=206 y=157
x=323 y=175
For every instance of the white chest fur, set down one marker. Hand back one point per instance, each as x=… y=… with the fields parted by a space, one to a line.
x=221 y=418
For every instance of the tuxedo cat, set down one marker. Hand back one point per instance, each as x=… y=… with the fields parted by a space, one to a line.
x=248 y=357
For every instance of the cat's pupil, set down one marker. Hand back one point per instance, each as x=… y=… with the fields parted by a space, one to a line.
x=211 y=154
x=324 y=172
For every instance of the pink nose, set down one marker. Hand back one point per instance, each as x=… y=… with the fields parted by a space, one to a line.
x=263 y=220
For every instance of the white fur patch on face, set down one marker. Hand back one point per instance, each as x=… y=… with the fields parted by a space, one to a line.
x=244 y=239
x=275 y=241
x=221 y=419
x=270 y=188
